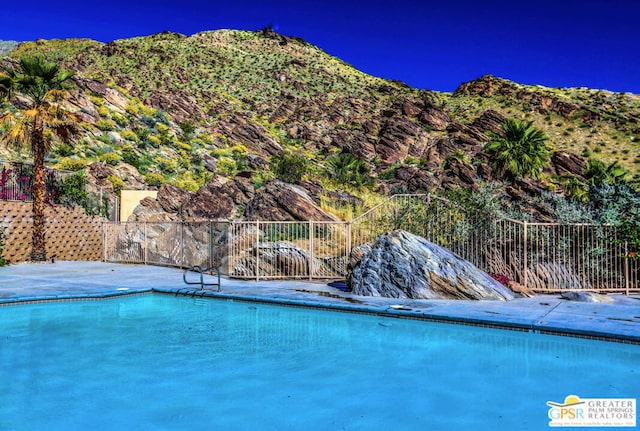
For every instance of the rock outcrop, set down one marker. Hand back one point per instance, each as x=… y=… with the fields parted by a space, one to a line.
x=403 y=265
x=281 y=201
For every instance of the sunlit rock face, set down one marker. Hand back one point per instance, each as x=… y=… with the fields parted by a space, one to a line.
x=403 y=265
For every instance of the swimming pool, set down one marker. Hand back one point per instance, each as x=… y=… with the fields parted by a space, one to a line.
x=177 y=363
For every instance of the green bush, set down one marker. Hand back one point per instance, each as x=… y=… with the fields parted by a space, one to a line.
x=105 y=125
x=116 y=182
x=390 y=172
x=154 y=179
x=72 y=190
x=110 y=158
x=129 y=156
x=154 y=141
x=129 y=135
x=68 y=164
x=188 y=185
x=64 y=150
x=120 y=119
x=289 y=167
x=188 y=128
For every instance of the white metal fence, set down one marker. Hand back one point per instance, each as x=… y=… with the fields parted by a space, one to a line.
x=556 y=257
x=167 y=243
x=267 y=249
x=541 y=257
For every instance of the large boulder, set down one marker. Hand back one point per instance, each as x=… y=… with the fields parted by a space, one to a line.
x=220 y=198
x=283 y=259
x=280 y=201
x=172 y=198
x=403 y=265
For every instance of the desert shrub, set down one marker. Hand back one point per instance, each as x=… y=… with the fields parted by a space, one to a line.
x=129 y=135
x=615 y=204
x=288 y=167
x=110 y=158
x=129 y=156
x=105 y=125
x=162 y=128
x=120 y=119
x=69 y=164
x=64 y=150
x=184 y=161
x=227 y=167
x=97 y=100
x=116 y=182
x=154 y=179
x=390 y=172
x=154 y=141
x=132 y=107
x=183 y=146
x=167 y=166
x=188 y=185
x=231 y=160
x=103 y=111
x=142 y=132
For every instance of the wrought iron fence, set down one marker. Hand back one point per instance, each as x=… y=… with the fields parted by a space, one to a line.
x=16 y=181
x=541 y=257
x=16 y=184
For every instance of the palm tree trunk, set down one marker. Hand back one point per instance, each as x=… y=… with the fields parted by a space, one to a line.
x=38 y=251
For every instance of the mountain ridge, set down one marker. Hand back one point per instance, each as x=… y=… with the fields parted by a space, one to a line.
x=221 y=103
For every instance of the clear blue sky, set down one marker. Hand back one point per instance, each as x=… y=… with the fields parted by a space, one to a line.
x=428 y=44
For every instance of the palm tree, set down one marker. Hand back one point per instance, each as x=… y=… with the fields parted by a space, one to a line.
x=597 y=172
x=349 y=169
x=42 y=87
x=520 y=151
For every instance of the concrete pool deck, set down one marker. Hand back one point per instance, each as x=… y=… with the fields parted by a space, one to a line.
x=618 y=320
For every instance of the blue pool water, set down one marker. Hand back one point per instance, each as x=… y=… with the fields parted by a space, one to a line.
x=158 y=362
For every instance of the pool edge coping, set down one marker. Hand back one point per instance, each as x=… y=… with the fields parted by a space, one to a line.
x=383 y=311
x=386 y=311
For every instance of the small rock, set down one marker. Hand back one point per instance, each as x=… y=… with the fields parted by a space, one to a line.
x=586 y=297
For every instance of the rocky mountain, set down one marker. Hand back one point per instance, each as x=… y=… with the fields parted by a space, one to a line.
x=6 y=46
x=207 y=114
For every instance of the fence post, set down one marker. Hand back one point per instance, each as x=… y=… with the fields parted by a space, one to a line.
x=146 y=244
x=347 y=227
x=228 y=237
x=311 y=254
x=525 y=249
x=626 y=267
x=104 y=241
x=257 y=250
x=210 y=246
x=182 y=244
